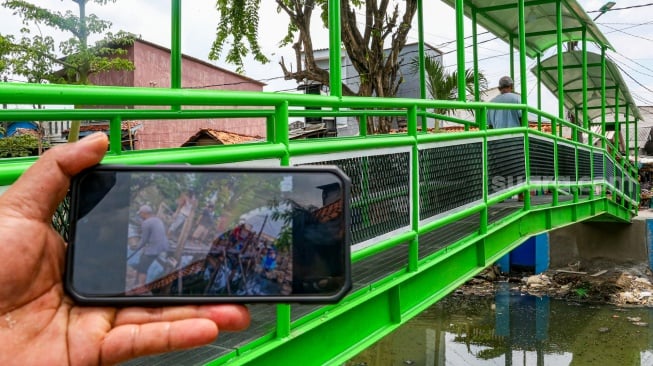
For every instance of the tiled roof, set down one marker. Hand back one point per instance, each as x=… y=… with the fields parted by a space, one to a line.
x=224 y=137
x=328 y=212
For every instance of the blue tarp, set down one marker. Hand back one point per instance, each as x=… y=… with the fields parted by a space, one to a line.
x=13 y=126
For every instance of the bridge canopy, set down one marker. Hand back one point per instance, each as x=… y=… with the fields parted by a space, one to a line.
x=500 y=18
x=616 y=89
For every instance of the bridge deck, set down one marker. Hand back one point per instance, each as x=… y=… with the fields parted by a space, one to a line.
x=364 y=273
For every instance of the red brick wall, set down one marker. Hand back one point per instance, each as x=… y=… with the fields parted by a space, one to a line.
x=152 y=69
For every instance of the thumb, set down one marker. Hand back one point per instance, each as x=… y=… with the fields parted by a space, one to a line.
x=36 y=194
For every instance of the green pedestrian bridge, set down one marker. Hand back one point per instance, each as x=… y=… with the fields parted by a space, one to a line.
x=429 y=210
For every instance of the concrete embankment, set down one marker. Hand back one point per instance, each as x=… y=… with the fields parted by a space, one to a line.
x=592 y=242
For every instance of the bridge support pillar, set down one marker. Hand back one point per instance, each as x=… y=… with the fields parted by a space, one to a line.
x=532 y=254
x=649 y=242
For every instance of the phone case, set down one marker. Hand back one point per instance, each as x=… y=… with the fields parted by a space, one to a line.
x=134 y=298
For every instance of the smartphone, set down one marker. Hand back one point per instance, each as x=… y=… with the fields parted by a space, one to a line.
x=156 y=235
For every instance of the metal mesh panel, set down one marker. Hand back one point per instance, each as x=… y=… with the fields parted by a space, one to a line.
x=618 y=179
x=501 y=210
x=380 y=195
x=584 y=165
x=609 y=171
x=627 y=186
x=379 y=266
x=364 y=273
x=541 y=159
x=598 y=165
x=566 y=163
x=440 y=238
x=506 y=166
x=450 y=177
x=61 y=218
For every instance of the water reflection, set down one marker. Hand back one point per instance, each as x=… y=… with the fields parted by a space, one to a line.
x=512 y=329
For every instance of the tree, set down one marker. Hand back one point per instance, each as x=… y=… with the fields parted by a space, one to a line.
x=19 y=146
x=37 y=58
x=443 y=85
x=373 y=47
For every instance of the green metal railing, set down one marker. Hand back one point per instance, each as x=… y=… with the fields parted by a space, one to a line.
x=421 y=279
x=430 y=210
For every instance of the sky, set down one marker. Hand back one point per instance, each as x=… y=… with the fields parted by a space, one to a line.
x=629 y=30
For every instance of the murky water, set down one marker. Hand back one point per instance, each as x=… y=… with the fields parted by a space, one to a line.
x=511 y=329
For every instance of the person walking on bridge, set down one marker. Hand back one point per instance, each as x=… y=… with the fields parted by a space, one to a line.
x=504 y=118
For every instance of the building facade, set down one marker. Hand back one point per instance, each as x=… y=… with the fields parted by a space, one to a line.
x=152 y=70
x=409 y=88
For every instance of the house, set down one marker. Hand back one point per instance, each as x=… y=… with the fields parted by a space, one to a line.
x=644 y=131
x=128 y=132
x=409 y=88
x=209 y=136
x=152 y=70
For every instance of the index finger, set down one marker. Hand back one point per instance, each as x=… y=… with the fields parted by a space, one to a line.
x=226 y=316
x=36 y=194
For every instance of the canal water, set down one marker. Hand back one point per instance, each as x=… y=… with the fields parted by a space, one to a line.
x=514 y=329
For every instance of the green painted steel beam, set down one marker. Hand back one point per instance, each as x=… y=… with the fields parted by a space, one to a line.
x=460 y=45
x=47 y=115
x=175 y=48
x=335 y=57
x=337 y=333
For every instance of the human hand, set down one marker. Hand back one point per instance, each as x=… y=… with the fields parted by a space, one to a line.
x=39 y=324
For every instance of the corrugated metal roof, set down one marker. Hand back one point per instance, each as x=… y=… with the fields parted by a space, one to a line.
x=573 y=83
x=500 y=18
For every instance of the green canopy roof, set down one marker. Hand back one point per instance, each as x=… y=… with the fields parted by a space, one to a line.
x=573 y=83
x=500 y=18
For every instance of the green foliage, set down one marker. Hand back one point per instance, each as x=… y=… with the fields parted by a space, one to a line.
x=238 y=23
x=284 y=210
x=233 y=195
x=443 y=85
x=37 y=57
x=19 y=146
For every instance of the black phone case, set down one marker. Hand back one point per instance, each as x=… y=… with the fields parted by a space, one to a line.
x=189 y=300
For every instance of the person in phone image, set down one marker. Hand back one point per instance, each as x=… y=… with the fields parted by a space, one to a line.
x=153 y=242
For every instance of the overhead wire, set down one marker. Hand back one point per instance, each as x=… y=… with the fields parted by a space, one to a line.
x=622 y=8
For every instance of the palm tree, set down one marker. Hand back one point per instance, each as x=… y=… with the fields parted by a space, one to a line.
x=443 y=85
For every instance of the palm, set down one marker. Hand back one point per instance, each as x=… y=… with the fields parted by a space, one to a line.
x=443 y=85
x=38 y=323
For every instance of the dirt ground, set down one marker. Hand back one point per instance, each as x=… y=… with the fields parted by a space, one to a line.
x=599 y=282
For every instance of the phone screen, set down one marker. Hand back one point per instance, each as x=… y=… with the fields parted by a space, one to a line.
x=169 y=232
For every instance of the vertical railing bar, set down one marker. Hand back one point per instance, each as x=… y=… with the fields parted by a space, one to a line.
x=421 y=55
x=115 y=135
x=413 y=249
x=175 y=48
x=460 y=43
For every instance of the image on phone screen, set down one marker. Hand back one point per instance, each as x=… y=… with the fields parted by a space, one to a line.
x=209 y=234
